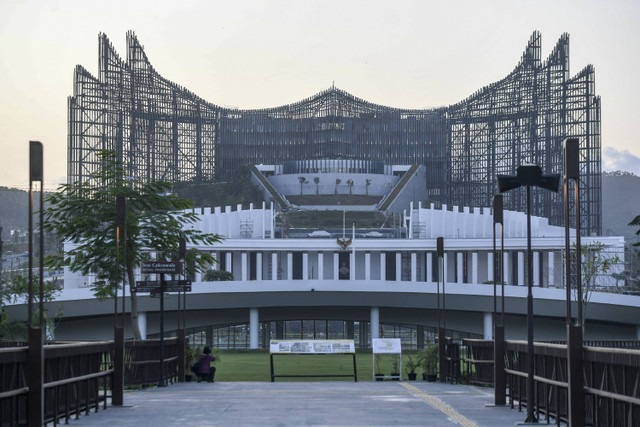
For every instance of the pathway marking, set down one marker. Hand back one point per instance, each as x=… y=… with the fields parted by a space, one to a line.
x=440 y=405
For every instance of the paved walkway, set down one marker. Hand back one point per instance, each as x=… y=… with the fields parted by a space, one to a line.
x=414 y=403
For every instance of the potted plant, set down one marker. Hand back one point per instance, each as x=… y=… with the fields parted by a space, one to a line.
x=188 y=357
x=429 y=361
x=395 y=368
x=412 y=364
x=379 y=376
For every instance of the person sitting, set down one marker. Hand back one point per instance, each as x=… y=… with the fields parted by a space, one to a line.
x=206 y=371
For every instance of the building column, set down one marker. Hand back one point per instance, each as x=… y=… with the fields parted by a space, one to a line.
x=445 y=275
x=367 y=265
x=551 y=278
x=536 y=269
x=289 y=265
x=259 y=266
x=474 y=268
x=336 y=266
x=375 y=323
x=419 y=337
x=490 y=266
x=521 y=268
x=274 y=265
x=460 y=266
x=305 y=266
x=506 y=268
x=320 y=266
x=228 y=259
x=243 y=263
x=398 y=267
x=429 y=267
x=254 y=327
x=352 y=267
x=414 y=266
x=637 y=329
x=142 y=324
x=488 y=326
x=198 y=275
x=383 y=266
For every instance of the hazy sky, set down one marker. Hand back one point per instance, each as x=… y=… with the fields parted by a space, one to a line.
x=410 y=54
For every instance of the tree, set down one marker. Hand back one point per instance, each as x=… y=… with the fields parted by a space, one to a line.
x=303 y=181
x=594 y=262
x=84 y=213
x=15 y=289
x=367 y=183
x=316 y=180
x=350 y=184
x=338 y=181
x=217 y=276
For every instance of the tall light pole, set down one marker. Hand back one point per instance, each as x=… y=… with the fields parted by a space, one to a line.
x=500 y=381
x=442 y=334
x=527 y=176
x=574 y=331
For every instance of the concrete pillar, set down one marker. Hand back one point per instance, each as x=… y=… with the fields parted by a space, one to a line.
x=521 y=268
x=398 y=267
x=490 y=266
x=142 y=324
x=350 y=329
x=289 y=265
x=414 y=266
x=488 y=326
x=367 y=265
x=460 y=266
x=506 y=278
x=243 y=263
x=536 y=269
x=336 y=265
x=383 y=266
x=198 y=276
x=474 y=268
x=254 y=327
x=305 y=266
x=274 y=265
x=637 y=328
x=551 y=269
x=352 y=267
x=375 y=322
x=279 y=330
x=429 y=267
x=259 y=266
x=320 y=266
x=444 y=274
x=228 y=260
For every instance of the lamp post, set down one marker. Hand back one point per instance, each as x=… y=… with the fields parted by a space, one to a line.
x=528 y=175
x=574 y=331
x=442 y=335
x=500 y=386
x=118 y=331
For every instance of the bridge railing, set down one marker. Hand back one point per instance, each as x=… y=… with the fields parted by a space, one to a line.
x=78 y=376
x=611 y=378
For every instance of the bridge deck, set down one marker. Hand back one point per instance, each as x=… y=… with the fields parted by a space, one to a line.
x=415 y=403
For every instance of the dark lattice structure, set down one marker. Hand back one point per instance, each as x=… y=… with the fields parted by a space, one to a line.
x=161 y=130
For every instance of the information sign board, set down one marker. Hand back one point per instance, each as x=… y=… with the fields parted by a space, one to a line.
x=311 y=346
x=169 y=286
x=161 y=267
x=386 y=345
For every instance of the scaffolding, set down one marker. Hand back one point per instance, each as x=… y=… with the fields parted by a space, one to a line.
x=162 y=131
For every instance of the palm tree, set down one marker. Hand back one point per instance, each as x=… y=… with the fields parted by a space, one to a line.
x=303 y=181
x=316 y=180
x=367 y=184
x=350 y=184
x=338 y=181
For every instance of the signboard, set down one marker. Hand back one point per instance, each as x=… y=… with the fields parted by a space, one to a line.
x=169 y=286
x=311 y=346
x=386 y=345
x=161 y=267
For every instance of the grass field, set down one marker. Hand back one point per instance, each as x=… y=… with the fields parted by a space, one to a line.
x=255 y=366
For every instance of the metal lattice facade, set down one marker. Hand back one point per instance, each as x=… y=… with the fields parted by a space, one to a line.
x=160 y=130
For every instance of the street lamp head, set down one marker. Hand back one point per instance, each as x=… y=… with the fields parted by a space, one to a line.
x=507 y=182
x=528 y=175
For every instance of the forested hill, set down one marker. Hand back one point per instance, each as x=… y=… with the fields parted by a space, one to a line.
x=14 y=205
x=620 y=203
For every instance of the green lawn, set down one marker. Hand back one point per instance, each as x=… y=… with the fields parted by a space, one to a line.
x=254 y=366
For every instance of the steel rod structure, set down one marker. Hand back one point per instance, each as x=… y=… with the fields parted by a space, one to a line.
x=161 y=130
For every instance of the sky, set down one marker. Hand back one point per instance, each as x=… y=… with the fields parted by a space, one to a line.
x=252 y=54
